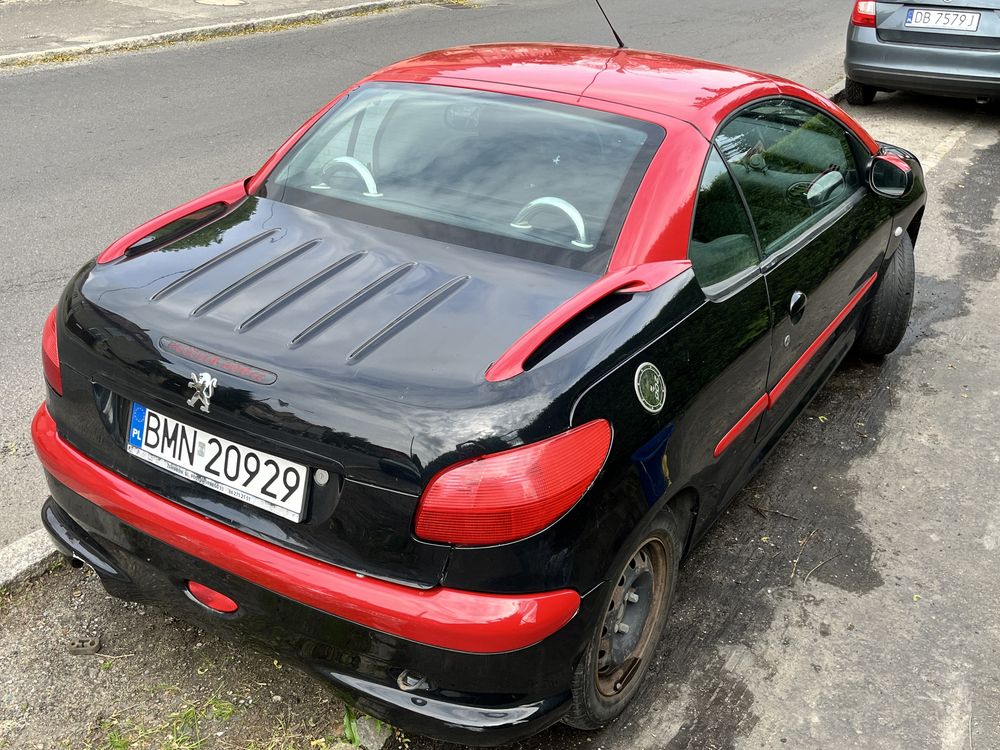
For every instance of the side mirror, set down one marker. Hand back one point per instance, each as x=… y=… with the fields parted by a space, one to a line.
x=890 y=175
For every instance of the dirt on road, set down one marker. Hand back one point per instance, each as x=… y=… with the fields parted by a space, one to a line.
x=155 y=682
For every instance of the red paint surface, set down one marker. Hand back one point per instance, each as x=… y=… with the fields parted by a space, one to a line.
x=658 y=225
x=229 y=194
x=761 y=405
x=795 y=370
x=695 y=91
x=634 y=279
x=447 y=618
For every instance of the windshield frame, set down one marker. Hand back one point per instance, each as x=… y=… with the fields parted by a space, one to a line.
x=595 y=261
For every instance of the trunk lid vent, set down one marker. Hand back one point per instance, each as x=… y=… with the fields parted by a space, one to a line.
x=351 y=302
x=211 y=263
x=317 y=278
x=253 y=276
x=404 y=319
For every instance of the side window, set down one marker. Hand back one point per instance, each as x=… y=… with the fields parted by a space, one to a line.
x=794 y=164
x=722 y=243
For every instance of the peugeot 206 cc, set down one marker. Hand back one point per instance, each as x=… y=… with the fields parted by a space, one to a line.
x=436 y=402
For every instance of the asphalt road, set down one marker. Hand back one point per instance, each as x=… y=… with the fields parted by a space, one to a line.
x=884 y=490
x=92 y=149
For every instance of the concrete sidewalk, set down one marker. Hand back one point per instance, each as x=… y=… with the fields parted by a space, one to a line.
x=72 y=27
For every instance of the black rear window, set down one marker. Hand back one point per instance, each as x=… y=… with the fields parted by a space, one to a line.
x=506 y=174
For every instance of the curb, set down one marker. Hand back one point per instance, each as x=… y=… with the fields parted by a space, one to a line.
x=200 y=33
x=834 y=93
x=27 y=558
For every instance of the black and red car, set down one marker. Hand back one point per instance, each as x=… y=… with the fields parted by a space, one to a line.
x=436 y=401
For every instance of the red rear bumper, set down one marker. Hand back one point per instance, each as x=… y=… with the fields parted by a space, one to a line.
x=446 y=618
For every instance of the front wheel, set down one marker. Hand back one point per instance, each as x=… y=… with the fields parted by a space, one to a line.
x=859 y=94
x=635 y=612
x=891 y=305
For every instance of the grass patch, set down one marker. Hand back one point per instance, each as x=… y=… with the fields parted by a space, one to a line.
x=187 y=728
x=219 y=709
x=351 y=727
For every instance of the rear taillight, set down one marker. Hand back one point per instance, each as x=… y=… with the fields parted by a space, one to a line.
x=864 y=13
x=50 y=353
x=511 y=495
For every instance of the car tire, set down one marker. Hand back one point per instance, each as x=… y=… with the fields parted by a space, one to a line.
x=601 y=687
x=890 y=307
x=859 y=94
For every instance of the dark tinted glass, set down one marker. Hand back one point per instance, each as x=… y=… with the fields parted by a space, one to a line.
x=722 y=243
x=794 y=165
x=889 y=179
x=506 y=174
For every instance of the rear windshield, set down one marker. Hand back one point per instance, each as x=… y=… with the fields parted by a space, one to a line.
x=506 y=174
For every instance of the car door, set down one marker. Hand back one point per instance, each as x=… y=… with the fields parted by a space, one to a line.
x=822 y=233
x=730 y=338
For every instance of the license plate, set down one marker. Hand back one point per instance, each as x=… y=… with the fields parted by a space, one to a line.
x=942 y=19
x=257 y=478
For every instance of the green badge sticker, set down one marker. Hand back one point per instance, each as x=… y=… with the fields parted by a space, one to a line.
x=650 y=388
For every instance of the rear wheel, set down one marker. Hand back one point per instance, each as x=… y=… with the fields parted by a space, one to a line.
x=635 y=612
x=890 y=307
x=859 y=94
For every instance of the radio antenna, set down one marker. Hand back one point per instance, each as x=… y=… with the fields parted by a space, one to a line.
x=621 y=44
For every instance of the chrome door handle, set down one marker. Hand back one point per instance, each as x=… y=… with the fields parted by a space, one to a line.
x=797 y=306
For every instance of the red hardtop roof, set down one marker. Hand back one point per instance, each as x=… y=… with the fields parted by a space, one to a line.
x=701 y=93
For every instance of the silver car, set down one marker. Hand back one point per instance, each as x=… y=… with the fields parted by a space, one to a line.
x=944 y=47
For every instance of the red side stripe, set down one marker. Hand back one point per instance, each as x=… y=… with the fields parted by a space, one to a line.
x=748 y=419
x=443 y=617
x=766 y=401
x=795 y=370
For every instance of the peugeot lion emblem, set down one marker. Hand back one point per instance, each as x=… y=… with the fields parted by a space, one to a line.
x=204 y=386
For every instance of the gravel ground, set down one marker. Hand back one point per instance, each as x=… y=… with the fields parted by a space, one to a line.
x=156 y=682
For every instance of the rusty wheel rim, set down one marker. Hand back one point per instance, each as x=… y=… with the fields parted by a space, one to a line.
x=636 y=605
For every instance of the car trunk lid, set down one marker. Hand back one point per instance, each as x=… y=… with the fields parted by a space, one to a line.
x=895 y=23
x=335 y=345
